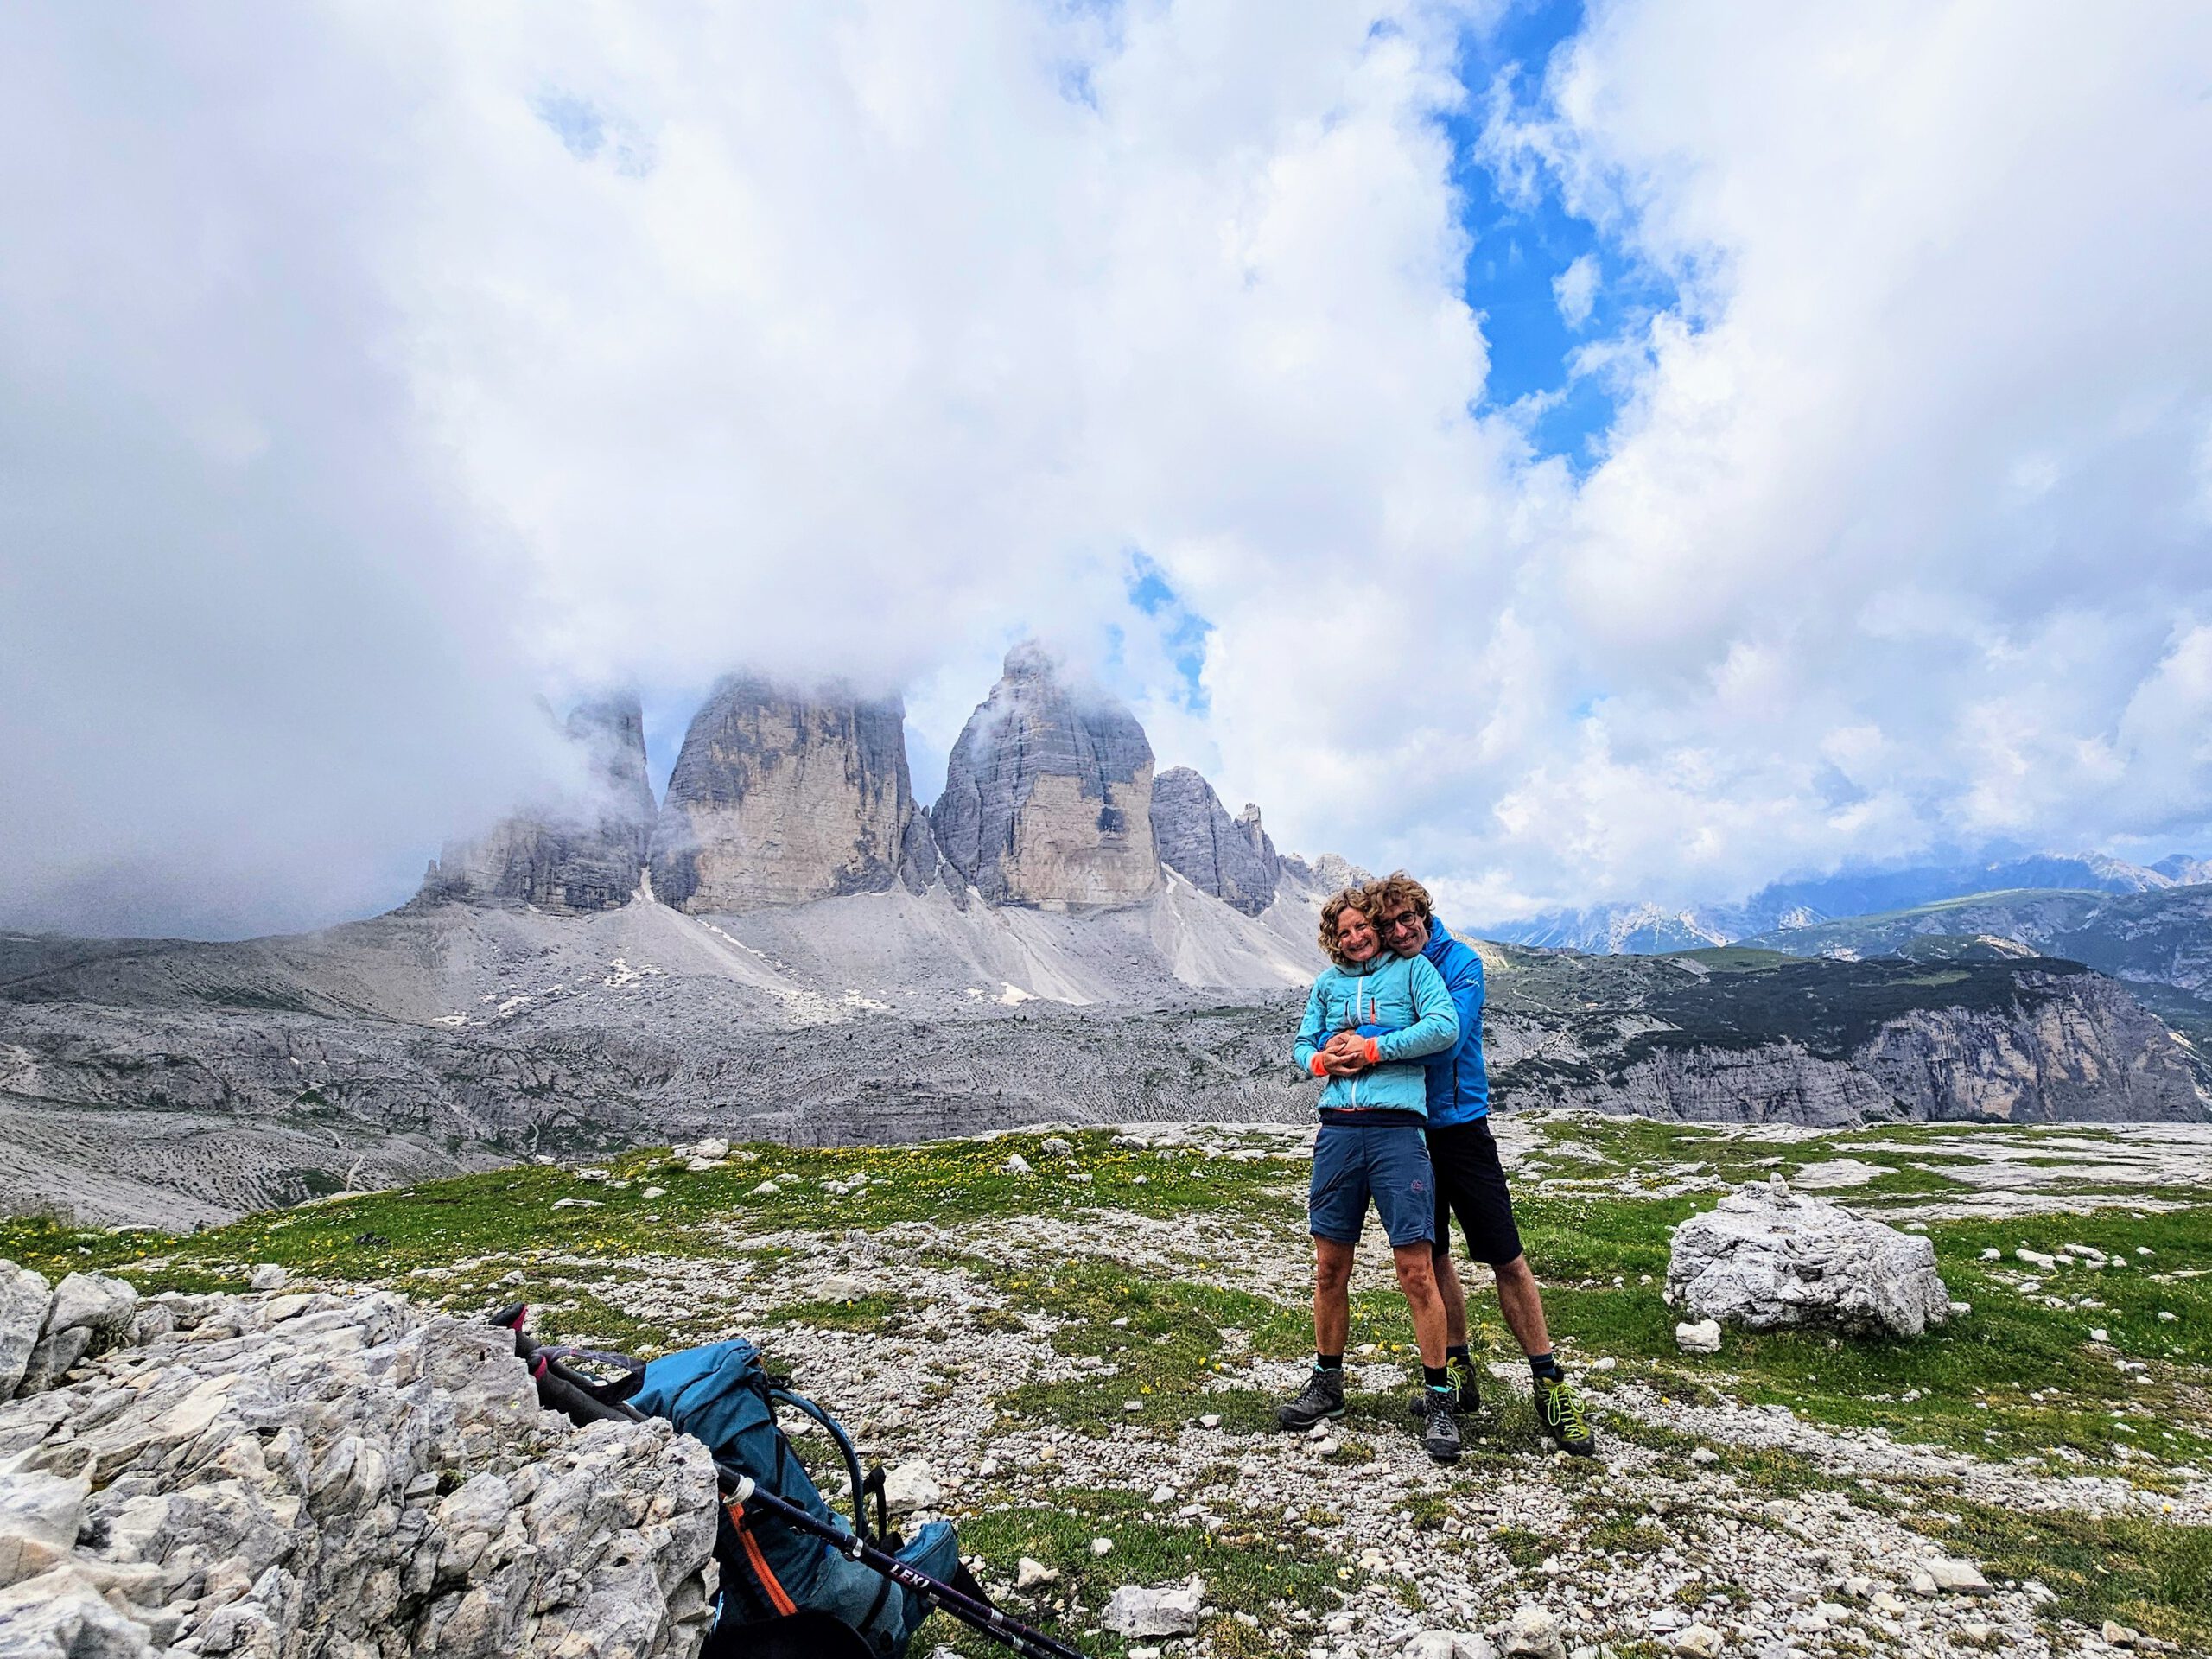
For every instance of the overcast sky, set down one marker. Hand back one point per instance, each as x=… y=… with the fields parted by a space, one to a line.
x=1632 y=451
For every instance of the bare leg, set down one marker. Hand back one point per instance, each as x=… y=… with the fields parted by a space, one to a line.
x=1454 y=1295
x=1331 y=1295
x=1522 y=1304
x=1417 y=1279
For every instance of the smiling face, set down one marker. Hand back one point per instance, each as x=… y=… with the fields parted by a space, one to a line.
x=1357 y=940
x=1402 y=927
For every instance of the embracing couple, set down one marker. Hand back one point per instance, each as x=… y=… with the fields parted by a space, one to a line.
x=1395 y=1028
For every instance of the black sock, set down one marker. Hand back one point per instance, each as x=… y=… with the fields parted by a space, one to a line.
x=1436 y=1376
x=1328 y=1362
x=1543 y=1364
x=1459 y=1351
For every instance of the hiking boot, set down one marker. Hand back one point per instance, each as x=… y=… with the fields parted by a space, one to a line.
x=1439 y=1430
x=1559 y=1413
x=1324 y=1397
x=1467 y=1395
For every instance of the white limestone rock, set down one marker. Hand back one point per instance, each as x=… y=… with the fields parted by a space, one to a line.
x=24 y=1297
x=1029 y=1574
x=1534 y=1634
x=1448 y=1644
x=1955 y=1578
x=911 y=1487
x=1768 y=1257
x=269 y=1484
x=1171 y=1609
x=1697 y=1336
x=38 y=1522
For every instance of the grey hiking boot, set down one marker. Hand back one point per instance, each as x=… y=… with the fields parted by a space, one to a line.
x=1467 y=1395
x=1324 y=1397
x=1440 y=1429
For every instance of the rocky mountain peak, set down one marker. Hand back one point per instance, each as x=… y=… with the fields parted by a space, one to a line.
x=1230 y=858
x=1048 y=794
x=581 y=850
x=779 y=798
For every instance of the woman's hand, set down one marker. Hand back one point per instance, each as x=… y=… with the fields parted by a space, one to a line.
x=1344 y=1055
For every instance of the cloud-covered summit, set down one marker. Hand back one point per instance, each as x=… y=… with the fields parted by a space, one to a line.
x=365 y=376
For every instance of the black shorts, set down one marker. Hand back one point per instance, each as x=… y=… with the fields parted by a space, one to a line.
x=1471 y=1182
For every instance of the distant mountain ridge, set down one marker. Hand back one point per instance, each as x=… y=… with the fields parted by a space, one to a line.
x=1643 y=928
x=2160 y=937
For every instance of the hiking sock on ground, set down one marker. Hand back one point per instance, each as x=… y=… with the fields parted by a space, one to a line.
x=1328 y=1362
x=1543 y=1365
x=1437 y=1376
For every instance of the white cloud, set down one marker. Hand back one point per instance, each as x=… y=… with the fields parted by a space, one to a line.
x=364 y=375
x=1575 y=290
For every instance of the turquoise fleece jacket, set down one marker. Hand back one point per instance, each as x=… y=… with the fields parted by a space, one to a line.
x=1407 y=993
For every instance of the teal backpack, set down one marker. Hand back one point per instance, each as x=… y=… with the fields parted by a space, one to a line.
x=722 y=1395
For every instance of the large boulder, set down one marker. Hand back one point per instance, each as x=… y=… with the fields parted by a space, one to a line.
x=24 y=1297
x=94 y=1302
x=316 y=1474
x=1767 y=1257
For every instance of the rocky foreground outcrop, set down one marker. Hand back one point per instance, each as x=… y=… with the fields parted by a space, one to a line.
x=1233 y=859
x=579 y=852
x=285 y=1476
x=779 y=798
x=1767 y=1257
x=1048 y=795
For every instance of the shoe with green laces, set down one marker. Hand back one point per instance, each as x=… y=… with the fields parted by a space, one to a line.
x=1466 y=1394
x=1559 y=1413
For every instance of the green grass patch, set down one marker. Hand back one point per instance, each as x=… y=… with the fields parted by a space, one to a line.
x=2148 y=1574
x=1259 y=1566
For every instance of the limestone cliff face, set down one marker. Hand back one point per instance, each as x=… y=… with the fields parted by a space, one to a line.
x=578 y=853
x=1230 y=858
x=2058 y=1046
x=1047 y=799
x=779 y=799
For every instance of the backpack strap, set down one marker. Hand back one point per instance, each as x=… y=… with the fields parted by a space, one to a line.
x=757 y=1563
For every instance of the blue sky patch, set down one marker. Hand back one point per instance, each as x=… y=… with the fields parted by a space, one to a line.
x=581 y=129
x=1182 y=631
x=1526 y=247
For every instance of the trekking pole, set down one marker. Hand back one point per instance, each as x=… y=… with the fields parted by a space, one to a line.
x=571 y=1394
x=982 y=1616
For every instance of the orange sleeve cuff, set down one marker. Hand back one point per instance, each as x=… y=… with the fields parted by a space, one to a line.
x=1374 y=1052
x=1316 y=1065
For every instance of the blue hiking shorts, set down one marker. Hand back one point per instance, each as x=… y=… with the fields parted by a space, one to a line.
x=1389 y=1163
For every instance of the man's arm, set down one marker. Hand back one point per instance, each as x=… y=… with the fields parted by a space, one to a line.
x=1464 y=983
x=1436 y=1020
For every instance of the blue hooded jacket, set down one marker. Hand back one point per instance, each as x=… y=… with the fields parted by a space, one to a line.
x=1459 y=1082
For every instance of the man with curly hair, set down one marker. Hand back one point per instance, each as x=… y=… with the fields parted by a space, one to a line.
x=1368 y=1022
x=1470 y=1181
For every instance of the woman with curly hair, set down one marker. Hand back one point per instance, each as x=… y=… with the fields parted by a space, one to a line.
x=1369 y=1021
